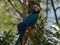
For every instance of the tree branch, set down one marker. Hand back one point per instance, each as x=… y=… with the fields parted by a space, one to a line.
x=52 y=3
x=20 y=1
x=14 y=8
x=24 y=8
x=47 y=9
x=57 y=8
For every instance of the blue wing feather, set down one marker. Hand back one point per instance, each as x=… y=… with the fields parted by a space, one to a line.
x=31 y=19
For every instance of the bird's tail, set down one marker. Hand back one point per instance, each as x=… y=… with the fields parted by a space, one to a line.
x=22 y=30
x=19 y=41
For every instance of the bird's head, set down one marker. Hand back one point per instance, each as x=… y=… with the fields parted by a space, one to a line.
x=35 y=9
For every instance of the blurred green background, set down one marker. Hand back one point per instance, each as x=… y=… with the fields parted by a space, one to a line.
x=47 y=30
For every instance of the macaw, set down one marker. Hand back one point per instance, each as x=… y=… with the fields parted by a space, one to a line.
x=29 y=21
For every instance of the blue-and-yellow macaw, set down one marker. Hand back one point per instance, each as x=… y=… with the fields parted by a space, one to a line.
x=30 y=20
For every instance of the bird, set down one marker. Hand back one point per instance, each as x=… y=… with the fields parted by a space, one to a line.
x=28 y=21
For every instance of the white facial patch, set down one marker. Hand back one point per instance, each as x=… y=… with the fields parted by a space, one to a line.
x=36 y=9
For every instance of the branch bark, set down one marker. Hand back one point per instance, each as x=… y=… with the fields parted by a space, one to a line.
x=20 y=2
x=57 y=8
x=52 y=3
x=24 y=8
x=46 y=9
x=15 y=8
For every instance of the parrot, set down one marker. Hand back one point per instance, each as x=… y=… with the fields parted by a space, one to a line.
x=30 y=20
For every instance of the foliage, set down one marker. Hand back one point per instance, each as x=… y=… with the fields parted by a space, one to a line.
x=6 y=20
x=7 y=38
